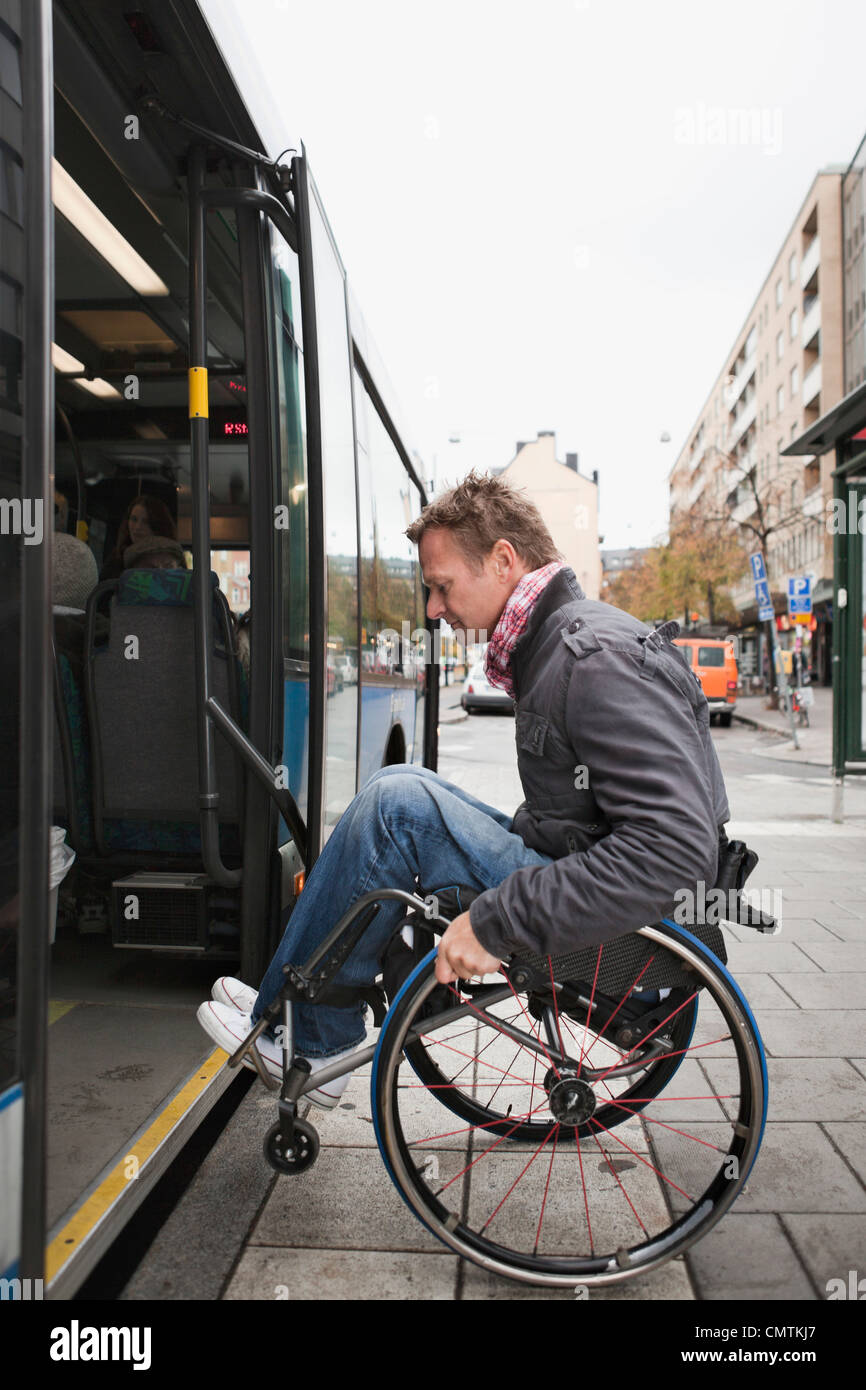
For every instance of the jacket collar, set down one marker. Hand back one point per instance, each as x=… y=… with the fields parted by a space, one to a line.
x=563 y=588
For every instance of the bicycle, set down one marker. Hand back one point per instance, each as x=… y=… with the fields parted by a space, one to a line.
x=566 y=1168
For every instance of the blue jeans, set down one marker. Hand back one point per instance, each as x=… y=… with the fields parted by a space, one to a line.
x=406 y=821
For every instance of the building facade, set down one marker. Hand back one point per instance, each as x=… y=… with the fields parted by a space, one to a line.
x=567 y=500
x=782 y=371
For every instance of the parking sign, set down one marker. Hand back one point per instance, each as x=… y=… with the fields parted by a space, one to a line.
x=799 y=595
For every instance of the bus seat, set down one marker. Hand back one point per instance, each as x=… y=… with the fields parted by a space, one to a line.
x=71 y=799
x=141 y=700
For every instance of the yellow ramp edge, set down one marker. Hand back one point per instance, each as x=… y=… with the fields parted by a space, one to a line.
x=79 y=1226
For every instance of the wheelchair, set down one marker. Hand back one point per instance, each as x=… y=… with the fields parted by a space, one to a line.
x=573 y=1121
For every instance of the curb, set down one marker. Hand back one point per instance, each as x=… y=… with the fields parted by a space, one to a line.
x=764 y=728
x=456 y=719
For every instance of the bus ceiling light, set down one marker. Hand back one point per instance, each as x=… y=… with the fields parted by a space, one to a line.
x=95 y=227
x=63 y=361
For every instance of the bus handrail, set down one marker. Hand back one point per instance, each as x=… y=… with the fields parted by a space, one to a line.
x=209 y=712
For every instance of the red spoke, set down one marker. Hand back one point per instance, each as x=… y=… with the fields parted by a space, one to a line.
x=489 y=1124
x=631 y=987
x=461 y=1053
x=641 y=1159
x=521 y=1119
x=583 y=1184
x=647 y=1037
x=537 y=1036
x=624 y=1193
x=583 y=1051
x=546 y=1186
x=516 y=1181
x=653 y=1121
x=510 y=1064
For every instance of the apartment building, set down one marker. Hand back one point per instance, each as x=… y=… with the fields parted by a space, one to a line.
x=782 y=372
x=567 y=500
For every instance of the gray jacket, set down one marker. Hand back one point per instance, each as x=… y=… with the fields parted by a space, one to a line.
x=623 y=786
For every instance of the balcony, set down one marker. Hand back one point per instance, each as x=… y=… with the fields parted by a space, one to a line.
x=740 y=381
x=695 y=490
x=745 y=507
x=811 y=384
x=811 y=323
x=813 y=502
x=742 y=422
x=697 y=458
x=809 y=263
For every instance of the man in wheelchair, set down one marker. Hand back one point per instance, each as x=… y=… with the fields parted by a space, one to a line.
x=624 y=797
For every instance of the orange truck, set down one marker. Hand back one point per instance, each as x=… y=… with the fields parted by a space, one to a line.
x=715 y=666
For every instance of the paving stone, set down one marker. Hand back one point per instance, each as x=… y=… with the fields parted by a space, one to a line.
x=802 y=1089
x=851 y=1139
x=345 y=1201
x=669 y=1282
x=796 y=906
x=368 y=1275
x=830 y=1246
x=812 y=1032
x=767 y=955
x=825 y=991
x=797 y=1169
x=748 y=1256
x=859 y=1063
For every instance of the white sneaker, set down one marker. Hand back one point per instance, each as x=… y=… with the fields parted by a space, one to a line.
x=229 y=1027
x=234 y=993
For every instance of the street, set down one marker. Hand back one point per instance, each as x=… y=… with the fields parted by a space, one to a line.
x=341 y=1231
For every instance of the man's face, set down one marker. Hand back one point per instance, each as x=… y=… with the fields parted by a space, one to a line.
x=460 y=594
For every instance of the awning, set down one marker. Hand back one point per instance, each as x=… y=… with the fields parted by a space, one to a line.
x=845 y=419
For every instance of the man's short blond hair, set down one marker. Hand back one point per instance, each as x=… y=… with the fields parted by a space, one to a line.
x=481 y=510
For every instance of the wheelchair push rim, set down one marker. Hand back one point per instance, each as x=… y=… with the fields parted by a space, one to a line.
x=615 y=1201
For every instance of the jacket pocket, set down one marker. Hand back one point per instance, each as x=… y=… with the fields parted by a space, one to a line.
x=531 y=732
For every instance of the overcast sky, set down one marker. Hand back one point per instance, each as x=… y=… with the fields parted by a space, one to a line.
x=553 y=216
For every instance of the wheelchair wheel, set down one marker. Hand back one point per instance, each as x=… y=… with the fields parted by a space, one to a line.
x=579 y=1161
x=485 y=1097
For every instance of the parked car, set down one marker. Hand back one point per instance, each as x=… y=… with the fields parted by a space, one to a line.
x=479 y=694
x=348 y=670
x=715 y=666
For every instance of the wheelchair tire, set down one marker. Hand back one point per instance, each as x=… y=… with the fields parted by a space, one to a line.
x=618 y=1199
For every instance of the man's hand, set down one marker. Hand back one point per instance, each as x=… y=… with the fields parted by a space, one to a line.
x=461 y=954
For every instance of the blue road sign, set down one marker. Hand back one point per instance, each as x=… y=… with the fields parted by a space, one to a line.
x=762 y=593
x=799 y=594
x=765 y=613
x=759 y=569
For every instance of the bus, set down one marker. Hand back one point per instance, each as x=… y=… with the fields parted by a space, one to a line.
x=178 y=340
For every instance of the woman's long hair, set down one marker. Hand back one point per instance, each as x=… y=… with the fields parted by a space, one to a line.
x=158 y=515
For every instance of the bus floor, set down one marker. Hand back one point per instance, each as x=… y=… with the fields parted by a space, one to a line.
x=122 y=1038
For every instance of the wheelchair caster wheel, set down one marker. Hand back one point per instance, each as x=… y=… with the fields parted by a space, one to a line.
x=301 y=1155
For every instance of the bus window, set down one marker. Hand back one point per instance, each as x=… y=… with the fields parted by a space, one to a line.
x=293 y=528
x=341 y=520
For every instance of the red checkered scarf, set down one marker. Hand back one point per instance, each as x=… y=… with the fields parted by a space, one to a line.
x=512 y=625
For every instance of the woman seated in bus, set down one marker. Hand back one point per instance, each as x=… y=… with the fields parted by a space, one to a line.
x=145 y=516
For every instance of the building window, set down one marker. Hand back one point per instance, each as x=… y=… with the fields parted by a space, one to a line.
x=795 y=380
x=780 y=399
x=780 y=346
x=794 y=323
x=792 y=267
x=778 y=294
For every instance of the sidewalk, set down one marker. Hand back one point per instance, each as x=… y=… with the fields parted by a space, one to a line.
x=816 y=741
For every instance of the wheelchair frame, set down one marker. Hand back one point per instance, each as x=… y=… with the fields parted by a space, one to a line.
x=292 y=1145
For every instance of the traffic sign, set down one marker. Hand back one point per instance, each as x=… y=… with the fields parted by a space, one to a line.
x=800 y=595
x=762 y=587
